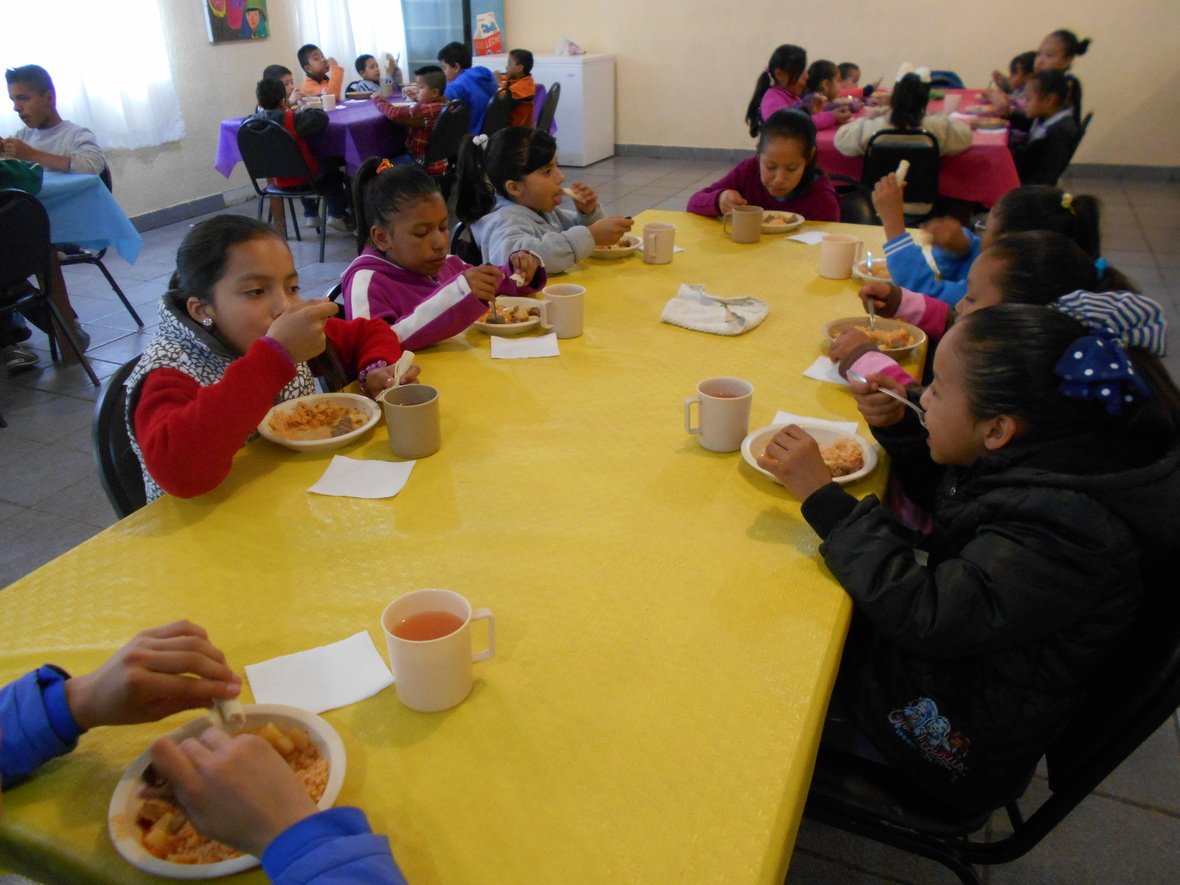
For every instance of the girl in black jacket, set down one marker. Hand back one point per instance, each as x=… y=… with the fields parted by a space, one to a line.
x=971 y=647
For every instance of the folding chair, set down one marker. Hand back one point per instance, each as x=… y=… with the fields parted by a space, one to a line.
x=269 y=151
x=498 y=112
x=1140 y=691
x=887 y=149
x=70 y=255
x=24 y=252
x=549 y=108
x=449 y=131
x=118 y=468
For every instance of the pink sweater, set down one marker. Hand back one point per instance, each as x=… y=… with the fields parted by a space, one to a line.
x=816 y=203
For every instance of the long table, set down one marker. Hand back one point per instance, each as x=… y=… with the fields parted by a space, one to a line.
x=981 y=174
x=667 y=635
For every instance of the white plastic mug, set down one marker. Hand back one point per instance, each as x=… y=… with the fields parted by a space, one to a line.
x=950 y=102
x=746 y=224
x=566 y=308
x=658 y=242
x=434 y=674
x=724 y=413
x=837 y=254
x=329 y=101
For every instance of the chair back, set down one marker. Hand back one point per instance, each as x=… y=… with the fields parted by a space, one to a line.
x=945 y=80
x=463 y=244
x=24 y=238
x=118 y=468
x=889 y=147
x=1082 y=127
x=449 y=129
x=269 y=151
x=498 y=112
x=549 y=108
x=538 y=102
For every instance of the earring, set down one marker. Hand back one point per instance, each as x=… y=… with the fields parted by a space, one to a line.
x=207 y=322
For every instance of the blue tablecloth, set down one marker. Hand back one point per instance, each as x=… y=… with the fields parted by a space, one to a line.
x=82 y=211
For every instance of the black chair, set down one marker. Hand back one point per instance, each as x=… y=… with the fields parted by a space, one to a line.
x=25 y=251
x=887 y=148
x=498 y=112
x=1082 y=127
x=463 y=244
x=945 y=80
x=1140 y=691
x=335 y=292
x=449 y=130
x=269 y=151
x=549 y=108
x=856 y=200
x=118 y=468
x=70 y=255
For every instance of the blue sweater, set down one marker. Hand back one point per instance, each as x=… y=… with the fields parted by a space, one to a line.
x=909 y=269
x=476 y=86
x=332 y=847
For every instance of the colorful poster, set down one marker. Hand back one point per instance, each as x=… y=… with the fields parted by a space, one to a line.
x=232 y=20
x=487 y=37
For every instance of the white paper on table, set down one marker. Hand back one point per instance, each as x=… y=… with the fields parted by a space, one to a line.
x=848 y=428
x=322 y=678
x=524 y=348
x=810 y=237
x=823 y=369
x=639 y=248
x=353 y=478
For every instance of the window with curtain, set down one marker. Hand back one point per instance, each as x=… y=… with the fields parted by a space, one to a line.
x=345 y=29
x=109 y=65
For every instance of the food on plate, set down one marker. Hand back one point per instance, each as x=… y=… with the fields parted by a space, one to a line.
x=778 y=218
x=887 y=338
x=322 y=419
x=980 y=108
x=509 y=314
x=880 y=269
x=843 y=457
x=988 y=123
x=624 y=243
x=166 y=833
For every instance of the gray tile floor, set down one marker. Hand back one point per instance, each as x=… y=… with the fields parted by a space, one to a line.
x=50 y=500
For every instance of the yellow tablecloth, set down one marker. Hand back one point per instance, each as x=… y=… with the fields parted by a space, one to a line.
x=667 y=635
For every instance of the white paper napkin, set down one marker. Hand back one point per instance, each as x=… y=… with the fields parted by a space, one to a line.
x=846 y=427
x=524 y=348
x=352 y=478
x=823 y=369
x=694 y=308
x=810 y=237
x=322 y=678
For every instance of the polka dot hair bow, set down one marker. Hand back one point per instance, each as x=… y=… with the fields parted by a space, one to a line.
x=1096 y=367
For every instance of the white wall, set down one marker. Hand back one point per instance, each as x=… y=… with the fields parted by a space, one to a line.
x=685 y=69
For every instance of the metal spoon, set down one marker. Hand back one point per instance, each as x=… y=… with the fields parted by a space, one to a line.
x=856 y=376
x=869 y=302
x=493 y=317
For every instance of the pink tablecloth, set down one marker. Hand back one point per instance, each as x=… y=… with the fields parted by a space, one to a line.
x=981 y=174
x=356 y=131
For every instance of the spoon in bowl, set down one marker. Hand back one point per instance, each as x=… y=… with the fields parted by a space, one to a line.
x=856 y=376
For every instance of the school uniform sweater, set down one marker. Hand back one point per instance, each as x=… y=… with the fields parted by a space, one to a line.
x=560 y=237
x=776 y=98
x=816 y=202
x=1046 y=153
x=67 y=139
x=909 y=269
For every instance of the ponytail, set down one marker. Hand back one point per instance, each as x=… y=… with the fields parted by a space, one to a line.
x=382 y=190
x=790 y=59
x=509 y=155
x=1073 y=46
x=474 y=194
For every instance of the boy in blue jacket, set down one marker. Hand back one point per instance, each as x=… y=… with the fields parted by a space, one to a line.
x=476 y=86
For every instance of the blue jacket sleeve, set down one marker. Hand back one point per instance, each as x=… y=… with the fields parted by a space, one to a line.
x=35 y=722
x=334 y=847
x=908 y=267
x=955 y=267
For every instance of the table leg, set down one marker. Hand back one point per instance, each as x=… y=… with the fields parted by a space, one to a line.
x=278 y=216
x=60 y=296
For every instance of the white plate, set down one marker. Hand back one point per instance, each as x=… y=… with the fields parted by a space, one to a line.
x=628 y=244
x=508 y=330
x=372 y=416
x=125 y=801
x=917 y=336
x=755 y=444
x=794 y=221
x=859 y=271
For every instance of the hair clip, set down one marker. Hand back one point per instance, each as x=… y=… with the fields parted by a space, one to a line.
x=1134 y=319
x=480 y=141
x=383 y=165
x=1067 y=201
x=1100 y=265
x=1096 y=367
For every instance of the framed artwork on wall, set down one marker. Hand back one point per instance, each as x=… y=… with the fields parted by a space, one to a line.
x=229 y=21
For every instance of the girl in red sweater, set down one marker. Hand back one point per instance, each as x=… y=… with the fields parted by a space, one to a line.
x=234 y=339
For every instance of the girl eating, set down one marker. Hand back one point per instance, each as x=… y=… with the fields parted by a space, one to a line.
x=404 y=275
x=782 y=175
x=510 y=192
x=1054 y=444
x=234 y=339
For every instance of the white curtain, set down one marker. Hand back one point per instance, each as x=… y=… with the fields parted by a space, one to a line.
x=344 y=29
x=109 y=65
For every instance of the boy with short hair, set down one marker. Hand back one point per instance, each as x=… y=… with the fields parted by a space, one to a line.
x=272 y=104
x=371 y=79
x=420 y=117
x=323 y=74
x=518 y=85
x=476 y=86
x=282 y=72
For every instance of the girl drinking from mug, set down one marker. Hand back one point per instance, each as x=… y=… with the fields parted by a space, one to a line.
x=1055 y=516
x=510 y=192
x=234 y=339
x=781 y=175
x=404 y=275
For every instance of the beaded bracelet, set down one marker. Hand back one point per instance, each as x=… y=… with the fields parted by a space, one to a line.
x=371 y=367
